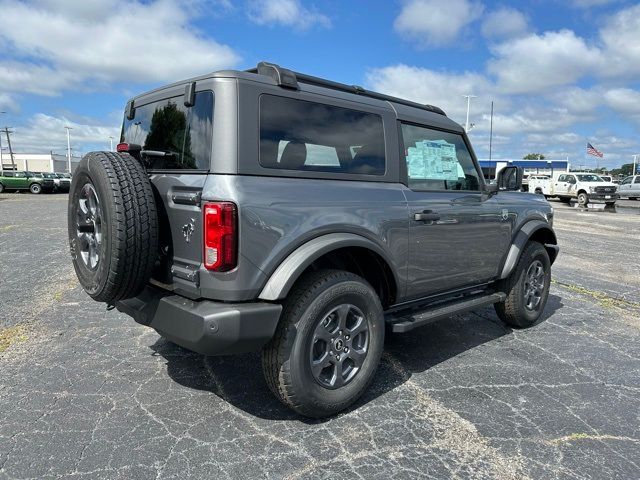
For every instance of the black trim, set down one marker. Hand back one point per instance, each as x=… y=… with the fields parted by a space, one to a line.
x=288 y=78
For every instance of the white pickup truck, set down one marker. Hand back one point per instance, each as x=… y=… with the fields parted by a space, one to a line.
x=582 y=186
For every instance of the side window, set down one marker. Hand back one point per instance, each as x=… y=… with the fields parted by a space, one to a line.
x=637 y=180
x=20 y=175
x=438 y=160
x=571 y=179
x=183 y=134
x=562 y=178
x=627 y=180
x=310 y=136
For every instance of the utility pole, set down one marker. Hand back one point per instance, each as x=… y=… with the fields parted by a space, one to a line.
x=13 y=164
x=635 y=160
x=491 y=131
x=111 y=144
x=468 y=97
x=69 y=148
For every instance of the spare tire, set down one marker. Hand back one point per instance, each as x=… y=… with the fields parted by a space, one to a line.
x=112 y=226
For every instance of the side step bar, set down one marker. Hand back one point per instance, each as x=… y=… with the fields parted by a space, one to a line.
x=405 y=323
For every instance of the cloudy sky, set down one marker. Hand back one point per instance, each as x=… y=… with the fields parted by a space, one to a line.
x=560 y=73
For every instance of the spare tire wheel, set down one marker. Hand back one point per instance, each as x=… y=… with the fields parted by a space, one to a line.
x=112 y=226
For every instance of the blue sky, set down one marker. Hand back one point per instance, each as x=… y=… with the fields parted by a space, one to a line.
x=561 y=73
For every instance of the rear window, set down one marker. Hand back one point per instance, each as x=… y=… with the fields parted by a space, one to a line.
x=310 y=136
x=183 y=133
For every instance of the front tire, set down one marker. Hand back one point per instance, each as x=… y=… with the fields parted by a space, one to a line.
x=328 y=344
x=35 y=188
x=527 y=288
x=583 y=198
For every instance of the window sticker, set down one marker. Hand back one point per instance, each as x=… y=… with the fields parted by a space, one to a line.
x=433 y=160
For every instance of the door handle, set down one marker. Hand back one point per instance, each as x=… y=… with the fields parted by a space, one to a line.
x=426 y=216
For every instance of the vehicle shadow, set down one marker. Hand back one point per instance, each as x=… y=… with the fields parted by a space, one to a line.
x=238 y=379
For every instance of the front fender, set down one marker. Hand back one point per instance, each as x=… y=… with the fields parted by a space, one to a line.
x=520 y=240
x=283 y=278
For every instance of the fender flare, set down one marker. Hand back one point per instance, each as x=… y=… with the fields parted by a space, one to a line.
x=283 y=278
x=520 y=240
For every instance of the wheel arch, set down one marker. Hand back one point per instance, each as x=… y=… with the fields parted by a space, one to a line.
x=347 y=251
x=532 y=230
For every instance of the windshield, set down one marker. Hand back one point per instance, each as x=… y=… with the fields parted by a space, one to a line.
x=589 y=178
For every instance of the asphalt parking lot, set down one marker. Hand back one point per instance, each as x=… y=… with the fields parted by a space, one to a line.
x=86 y=393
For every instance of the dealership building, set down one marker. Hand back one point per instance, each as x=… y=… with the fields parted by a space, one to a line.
x=38 y=162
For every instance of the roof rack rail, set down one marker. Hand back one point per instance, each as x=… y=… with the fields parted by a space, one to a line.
x=289 y=79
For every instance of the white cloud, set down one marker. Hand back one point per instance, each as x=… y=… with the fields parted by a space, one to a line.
x=592 y=3
x=43 y=133
x=625 y=101
x=504 y=23
x=435 y=22
x=536 y=62
x=8 y=103
x=442 y=89
x=289 y=13
x=26 y=77
x=104 y=41
x=621 y=43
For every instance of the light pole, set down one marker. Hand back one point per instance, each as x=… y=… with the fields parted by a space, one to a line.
x=69 y=148
x=635 y=160
x=110 y=144
x=468 y=97
x=1 y=159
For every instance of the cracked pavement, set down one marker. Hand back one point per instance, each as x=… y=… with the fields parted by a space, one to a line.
x=92 y=394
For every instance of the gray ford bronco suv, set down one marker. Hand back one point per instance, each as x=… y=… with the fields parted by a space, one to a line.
x=268 y=209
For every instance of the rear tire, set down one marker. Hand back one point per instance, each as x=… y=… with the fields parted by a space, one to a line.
x=35 y=188
x=1 y=188
x=112 y=226
x=331 y=330
x=527 y=288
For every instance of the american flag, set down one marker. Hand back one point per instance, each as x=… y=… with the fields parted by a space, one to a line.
x=591 y=150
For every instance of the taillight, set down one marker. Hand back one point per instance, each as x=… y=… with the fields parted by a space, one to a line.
x=220 y=236
x=132 y=148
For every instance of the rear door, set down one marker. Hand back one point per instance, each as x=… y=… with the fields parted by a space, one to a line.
x=561 y=185
x=176 y=143
x=19 y=180
x=458 y=234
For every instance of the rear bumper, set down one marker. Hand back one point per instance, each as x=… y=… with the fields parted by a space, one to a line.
x=210 y=328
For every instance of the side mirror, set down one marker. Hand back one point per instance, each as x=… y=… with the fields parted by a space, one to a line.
x=510 y=178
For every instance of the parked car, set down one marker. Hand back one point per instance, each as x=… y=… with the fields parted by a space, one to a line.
x=581 y=186
x=630 y=187
x=34 y=182
x=307 y=219
x=609 y=178
x=62 y=181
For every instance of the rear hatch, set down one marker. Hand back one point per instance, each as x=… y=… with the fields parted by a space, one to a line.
x=174 y=141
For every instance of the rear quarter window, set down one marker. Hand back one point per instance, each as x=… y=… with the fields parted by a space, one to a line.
x=183 y=133
x=311 y=136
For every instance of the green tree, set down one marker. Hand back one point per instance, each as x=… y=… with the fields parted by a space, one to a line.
x=534 y=156
x=625 y=170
